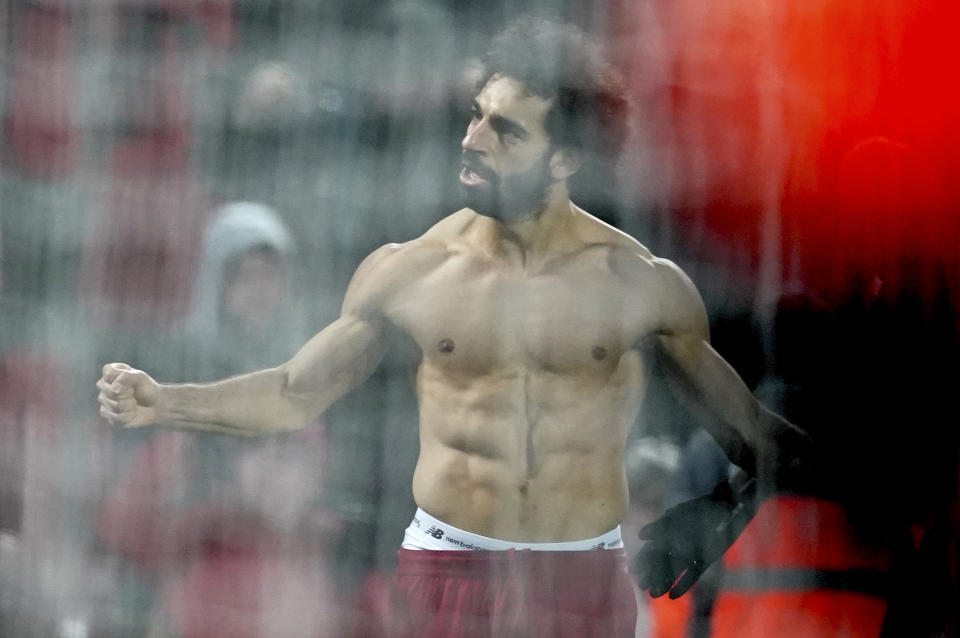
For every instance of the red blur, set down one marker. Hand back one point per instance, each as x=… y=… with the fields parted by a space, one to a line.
x=830 y=125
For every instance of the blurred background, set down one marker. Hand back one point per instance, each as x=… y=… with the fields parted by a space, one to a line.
x=187 y=186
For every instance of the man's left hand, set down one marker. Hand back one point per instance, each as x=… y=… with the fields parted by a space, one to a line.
x=691 y=536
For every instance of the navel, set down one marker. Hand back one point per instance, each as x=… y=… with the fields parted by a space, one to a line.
x=446 y=346
x=599 y=353
x=524 y=486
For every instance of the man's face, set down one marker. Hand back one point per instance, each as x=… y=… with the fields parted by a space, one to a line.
x=506 y=151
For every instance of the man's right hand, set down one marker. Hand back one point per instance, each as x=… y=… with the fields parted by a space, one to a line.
x=128 y=397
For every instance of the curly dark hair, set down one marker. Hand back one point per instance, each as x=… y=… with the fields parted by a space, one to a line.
x=559 y=62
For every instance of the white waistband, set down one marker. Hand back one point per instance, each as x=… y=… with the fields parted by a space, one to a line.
x=427 y=532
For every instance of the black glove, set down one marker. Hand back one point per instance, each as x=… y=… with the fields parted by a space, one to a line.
x=691 y=536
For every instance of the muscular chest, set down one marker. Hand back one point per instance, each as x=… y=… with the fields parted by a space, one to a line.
x=474 y=318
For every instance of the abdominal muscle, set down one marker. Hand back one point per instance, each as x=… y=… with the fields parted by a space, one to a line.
x=524 y=457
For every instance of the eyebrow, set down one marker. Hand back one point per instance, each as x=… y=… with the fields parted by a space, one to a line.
x=503 y=125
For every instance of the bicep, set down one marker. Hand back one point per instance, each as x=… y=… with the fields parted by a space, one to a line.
x=353 y=343
x=338 y=358
x=690 y=360
x=681 y=338
x=683 y=343
x=346 y=352
x=681 y=312
x=713 y=391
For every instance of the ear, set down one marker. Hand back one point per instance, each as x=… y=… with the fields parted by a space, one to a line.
x=564 y=162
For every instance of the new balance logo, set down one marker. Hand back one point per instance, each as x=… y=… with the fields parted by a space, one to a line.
x=435 y=532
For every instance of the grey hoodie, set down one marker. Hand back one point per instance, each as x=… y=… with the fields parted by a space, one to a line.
x=216 y=347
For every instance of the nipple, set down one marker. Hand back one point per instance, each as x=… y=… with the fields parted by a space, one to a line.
x=599 y=353
x=446 y=346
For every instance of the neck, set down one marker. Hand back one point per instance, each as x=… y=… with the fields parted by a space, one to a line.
x=542 y=233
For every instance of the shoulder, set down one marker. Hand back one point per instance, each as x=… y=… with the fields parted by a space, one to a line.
x=598 y=233
x=681 y=309
x=660 y=284
x=392 y=268
x=671 y=278
x=452 y=226
x=626 y=257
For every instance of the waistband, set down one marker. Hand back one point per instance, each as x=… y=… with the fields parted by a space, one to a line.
x=427 y=532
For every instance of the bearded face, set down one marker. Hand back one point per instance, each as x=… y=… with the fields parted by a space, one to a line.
x=508 y=197
x=505 y=171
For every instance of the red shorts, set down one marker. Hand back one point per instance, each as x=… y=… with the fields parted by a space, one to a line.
x=511 y=594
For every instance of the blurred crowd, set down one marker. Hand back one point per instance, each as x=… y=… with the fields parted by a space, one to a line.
x=187 y=186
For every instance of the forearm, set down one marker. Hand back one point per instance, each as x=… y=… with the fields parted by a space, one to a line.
x=757 y=439
x=737 y=437
x=249 y=405
x=738 y=415
x=747 y=435
x=743 y=427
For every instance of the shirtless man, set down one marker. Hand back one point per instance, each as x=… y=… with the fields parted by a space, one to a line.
x=537 y=324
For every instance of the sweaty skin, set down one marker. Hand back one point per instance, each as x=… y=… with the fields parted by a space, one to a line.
x=537 y=329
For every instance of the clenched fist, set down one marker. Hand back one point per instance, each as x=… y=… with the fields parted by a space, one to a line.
x=128 y=397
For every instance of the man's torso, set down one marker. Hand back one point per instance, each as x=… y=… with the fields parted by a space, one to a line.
x=529 y=380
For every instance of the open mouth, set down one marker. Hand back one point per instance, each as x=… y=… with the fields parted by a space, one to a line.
x=469 y=176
